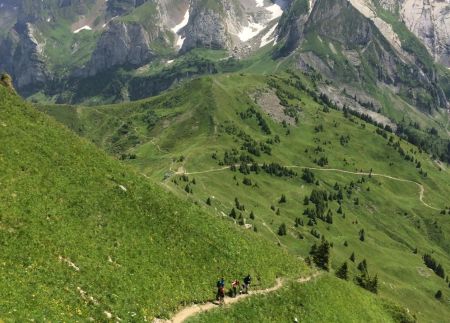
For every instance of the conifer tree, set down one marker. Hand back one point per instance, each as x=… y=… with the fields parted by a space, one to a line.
x=440 y=271
x=362 y=235
x=342 y=272
x=282 y=231
x=329 y=218
x=321 y=254
x=362 y=266
x=306 y=200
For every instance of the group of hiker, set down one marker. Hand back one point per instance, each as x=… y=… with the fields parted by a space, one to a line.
x=235 y=285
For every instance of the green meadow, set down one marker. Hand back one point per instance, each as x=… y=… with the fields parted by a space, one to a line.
x=188 y=137
x=84 y=237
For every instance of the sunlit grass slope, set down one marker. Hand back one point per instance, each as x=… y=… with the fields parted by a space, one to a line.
x=326 y=299
x=82 y=236
x=191 y=129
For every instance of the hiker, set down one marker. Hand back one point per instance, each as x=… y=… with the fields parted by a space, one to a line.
x=247 y=281
x=234 y=285
x=220 y=290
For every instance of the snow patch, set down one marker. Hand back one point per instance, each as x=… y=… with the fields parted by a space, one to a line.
x=259 y=3
x=250 y=31
x=181 y=25
x=254 y=28
x=268 y=38
x=82 y=28
x=276 y=10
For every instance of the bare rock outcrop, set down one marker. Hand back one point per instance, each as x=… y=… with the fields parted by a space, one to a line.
x=122 y=44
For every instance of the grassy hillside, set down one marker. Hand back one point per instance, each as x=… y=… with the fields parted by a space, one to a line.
x=84 y=237
x=326 y=299
x=189 y=137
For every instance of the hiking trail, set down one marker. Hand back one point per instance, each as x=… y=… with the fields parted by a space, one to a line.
x=421 y=187
x=195 y=309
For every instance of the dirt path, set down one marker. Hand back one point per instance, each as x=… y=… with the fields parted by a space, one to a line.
x=195 y=309
x=274 y=234
x=421 y=187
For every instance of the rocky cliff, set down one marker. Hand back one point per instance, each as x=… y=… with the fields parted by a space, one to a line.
x=122 y=44
x=22 y=57
x=231 y=24
x=429 y=20
x=347 y=42
x=206 y=28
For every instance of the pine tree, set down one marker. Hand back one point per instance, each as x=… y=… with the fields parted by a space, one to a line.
x=339 y=211
x=362 y=235
x=233 y=213
x=252 y=215
x=321 y=254
x=247 y=181
x=342 y=272
x=352 y=257
x=208 y=201
x=345 y=243
x=282 y=231
x=241 y=220
x=373 y=284
x=438 y=294
x=282 y=199
x=329 y=218
x=440 y=271
x=362 y=266
x=306 y=200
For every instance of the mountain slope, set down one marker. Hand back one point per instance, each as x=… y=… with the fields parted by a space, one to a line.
x=346 y=42
x=324 y=300
x=209 y=139
x=84 y=237
x=55 y=41
x=428 y=20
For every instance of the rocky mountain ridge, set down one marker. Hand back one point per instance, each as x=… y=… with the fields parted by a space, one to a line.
x=103 y=35
x=429 y=20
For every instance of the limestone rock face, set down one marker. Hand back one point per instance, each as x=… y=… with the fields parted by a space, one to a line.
x=207 y=28
x=22 y=56
x=353 y=29
x=122 y=44
x=429 y=20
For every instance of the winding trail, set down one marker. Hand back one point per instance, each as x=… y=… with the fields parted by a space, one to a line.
x=421 y=187
x=274 y=234
x=195 y=309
